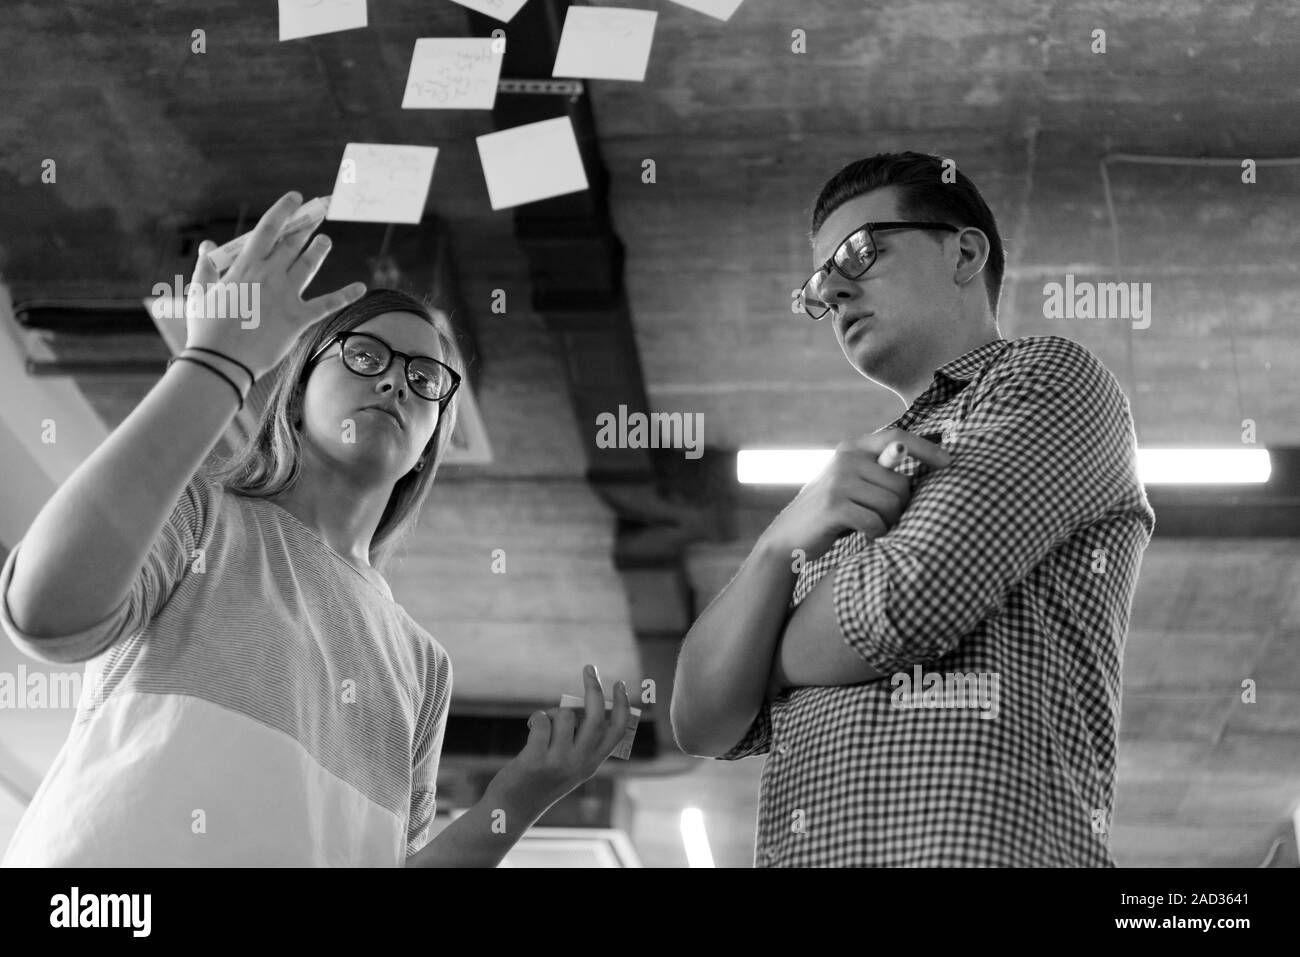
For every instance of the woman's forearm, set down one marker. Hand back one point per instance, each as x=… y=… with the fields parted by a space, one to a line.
x=88 y=543
x=483 y=835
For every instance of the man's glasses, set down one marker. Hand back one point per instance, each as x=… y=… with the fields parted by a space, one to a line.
x=851 y=259
x=368 y=355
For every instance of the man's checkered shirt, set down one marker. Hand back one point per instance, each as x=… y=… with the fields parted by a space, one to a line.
x=1016 y=564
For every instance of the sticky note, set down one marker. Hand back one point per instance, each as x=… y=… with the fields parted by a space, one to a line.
x=624 y=749
x=308 y=18
x=531 y=162
x=379 y=183
x=605 y=43
x=453 y=73
x=501 y=10
x=722 y=9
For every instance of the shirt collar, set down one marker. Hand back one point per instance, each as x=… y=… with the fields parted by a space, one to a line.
x=967 y=365
x=950 y=378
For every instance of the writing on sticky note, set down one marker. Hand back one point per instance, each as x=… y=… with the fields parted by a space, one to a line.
x=501 y=10
x=453 y=73
x=605 y=43
x=531 y=162
x=722 y=9
x=309 y=18
x=380 y=183
x=624 y=749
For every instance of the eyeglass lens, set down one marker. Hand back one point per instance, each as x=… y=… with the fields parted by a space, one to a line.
x=368 y=356
x=853 y=257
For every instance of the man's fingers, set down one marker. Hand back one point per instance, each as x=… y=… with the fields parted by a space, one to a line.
x=923 y=449
x=888 y=503
x=863 y=519
x=876 y=476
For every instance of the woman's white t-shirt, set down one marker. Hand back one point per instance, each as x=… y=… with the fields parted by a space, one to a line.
x=254 y=701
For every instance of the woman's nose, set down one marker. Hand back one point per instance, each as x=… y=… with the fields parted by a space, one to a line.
x=394 y=377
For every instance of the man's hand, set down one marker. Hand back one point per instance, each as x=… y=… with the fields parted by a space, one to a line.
x=853 y=494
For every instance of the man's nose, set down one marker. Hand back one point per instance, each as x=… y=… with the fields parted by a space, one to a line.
x=836 y=289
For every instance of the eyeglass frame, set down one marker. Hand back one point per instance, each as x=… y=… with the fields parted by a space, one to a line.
x=871 y=228
x=342 y=337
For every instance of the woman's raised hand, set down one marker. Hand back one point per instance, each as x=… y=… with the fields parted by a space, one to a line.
x=255 y=312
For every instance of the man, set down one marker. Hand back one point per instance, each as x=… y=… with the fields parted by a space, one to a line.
x=931 y=657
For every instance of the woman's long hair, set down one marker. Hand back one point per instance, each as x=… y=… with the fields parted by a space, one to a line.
x=271 y=460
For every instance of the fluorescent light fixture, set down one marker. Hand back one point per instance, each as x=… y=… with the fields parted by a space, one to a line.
x=695 y=839
x=780 y=466
x=1155 y=466
x=1203 y=466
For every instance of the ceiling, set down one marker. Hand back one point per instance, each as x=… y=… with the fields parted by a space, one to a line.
x=151 y=139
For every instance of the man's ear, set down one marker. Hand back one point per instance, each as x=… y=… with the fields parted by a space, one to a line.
x=971 y=239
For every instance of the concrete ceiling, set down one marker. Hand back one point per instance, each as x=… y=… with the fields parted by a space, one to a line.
x=150 y=138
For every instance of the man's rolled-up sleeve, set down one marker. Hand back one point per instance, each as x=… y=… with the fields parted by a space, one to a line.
x=1046 y=448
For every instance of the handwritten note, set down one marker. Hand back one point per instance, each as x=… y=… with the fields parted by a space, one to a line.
x=501 y=10
x=308 y=18
x=605 y=43
x=452 y=74
x=531 y=162
x=722 y=9
x=378 y=183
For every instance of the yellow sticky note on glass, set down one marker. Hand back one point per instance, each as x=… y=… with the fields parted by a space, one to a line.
x=624 y=749
x=309 y=18
x=605 y=43
x=531 y=162
x=381 y=183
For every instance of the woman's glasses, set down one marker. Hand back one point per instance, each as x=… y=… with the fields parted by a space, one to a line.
x=368 y=355
x=851 y=259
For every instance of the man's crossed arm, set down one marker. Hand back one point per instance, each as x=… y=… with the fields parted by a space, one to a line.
x=812 y=650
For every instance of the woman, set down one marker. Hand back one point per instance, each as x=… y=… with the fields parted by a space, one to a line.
x=260 y=699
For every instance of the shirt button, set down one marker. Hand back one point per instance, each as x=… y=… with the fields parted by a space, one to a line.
x=771 y=853
x=782 y=748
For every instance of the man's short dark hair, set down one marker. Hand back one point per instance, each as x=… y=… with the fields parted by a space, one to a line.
x=922 y=195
